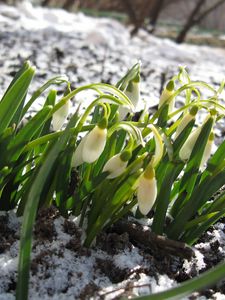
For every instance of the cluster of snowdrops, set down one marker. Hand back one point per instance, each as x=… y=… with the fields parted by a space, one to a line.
x=107 y=161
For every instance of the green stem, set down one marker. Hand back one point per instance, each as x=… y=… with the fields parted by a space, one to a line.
x=42 y=140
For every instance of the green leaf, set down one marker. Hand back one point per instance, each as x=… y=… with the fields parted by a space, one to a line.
x=37 y=93
x=111 y=206
x=194 y=234
x=163 y=115
x=199 y=197
x=191 y=172
x=24 y=135
x=25 y=66
x=163 y=198
x=33 y=197
x=217 y=159
x=217 y=204
x=129 y=76
x=49 y=101
x=14 y=97
x=5 y=138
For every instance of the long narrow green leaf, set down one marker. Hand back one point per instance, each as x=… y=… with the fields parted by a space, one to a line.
x=120 y=197
x=49 y=101
x=25 y=66
x=200 y=196
x=217 y=158
x=163 y=198
x=37 y=93
x=192 y=235
x=15 y=95
x=15 y=147
x=191 y=171
x=218 y=203
x=33 y=197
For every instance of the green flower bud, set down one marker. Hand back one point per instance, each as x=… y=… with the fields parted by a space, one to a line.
x=166 y=94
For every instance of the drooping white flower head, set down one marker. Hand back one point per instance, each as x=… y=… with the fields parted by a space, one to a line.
x=166 y=94
x=186 y=149
x=187 y=118
x=207 y=151
x=132 y=91
x=116 y=165
x=90 y=147
x=147 y=191
x=59 y=117
x=158 y=146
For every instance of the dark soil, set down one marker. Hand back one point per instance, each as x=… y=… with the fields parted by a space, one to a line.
x=7 y=235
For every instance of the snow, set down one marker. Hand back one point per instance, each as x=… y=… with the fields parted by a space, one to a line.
x=64 y=270
x=128 y=259
x=198 y=261
x=63 y=273
x=91 y=46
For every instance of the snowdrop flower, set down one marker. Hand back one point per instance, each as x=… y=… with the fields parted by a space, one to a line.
x=166 y=94
x=207 y=151
x=186 y=149
x=187 y=118
x=147 y=190
x=90 y=147
x=158 y=146
x=117 y=164
x=59 y=117
x=133 y=93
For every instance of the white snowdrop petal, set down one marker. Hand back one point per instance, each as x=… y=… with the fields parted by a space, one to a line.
x=146 y=194
x=77 y=158
x=59 y=117
x=206 y=154
x=166 y=94
x=187 y=148
x=94 y=144
x=184 y=122
x=115 y=166
x=134 y=97
x=158 y=146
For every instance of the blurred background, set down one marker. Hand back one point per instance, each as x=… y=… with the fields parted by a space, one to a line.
x=99 y=40
x=195 y=21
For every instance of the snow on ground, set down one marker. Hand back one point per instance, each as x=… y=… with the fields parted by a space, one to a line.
x=59 y=272
x=62 y=269
x=94 y=49
x=91 y=50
